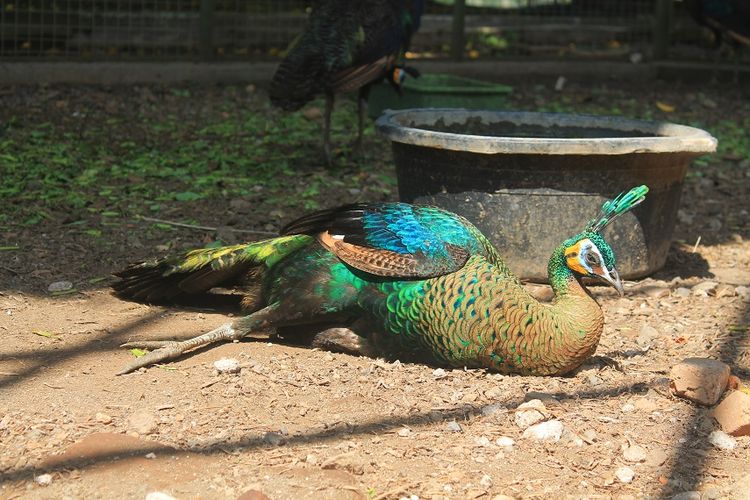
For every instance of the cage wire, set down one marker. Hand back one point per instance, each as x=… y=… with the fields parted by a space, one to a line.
x=261 y=29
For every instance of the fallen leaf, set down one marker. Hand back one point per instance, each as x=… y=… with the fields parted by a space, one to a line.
x=667 y=108
x=138 y=352
x=44 y=333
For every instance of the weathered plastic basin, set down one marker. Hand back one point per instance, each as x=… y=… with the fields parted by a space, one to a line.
x=435 y=90
x=530 y=180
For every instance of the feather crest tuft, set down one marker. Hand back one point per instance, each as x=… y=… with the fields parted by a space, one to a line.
x=612 y=209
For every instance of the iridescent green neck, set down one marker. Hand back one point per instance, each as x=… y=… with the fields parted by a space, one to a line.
x=561 y=278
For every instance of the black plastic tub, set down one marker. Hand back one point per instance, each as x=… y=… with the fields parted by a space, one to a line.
x=530 y=180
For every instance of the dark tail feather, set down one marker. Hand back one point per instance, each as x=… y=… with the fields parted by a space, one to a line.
x=298 y=79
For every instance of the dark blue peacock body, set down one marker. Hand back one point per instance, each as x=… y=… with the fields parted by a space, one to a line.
x=410 y=282
x=346 y=46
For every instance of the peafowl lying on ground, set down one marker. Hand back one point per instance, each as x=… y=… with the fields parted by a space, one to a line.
x=346 y=46
x=409 y=282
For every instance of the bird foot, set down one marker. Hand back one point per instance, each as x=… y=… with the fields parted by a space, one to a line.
x=171 y=349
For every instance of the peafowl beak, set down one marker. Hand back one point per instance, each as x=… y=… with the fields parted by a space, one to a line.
x=613 y=278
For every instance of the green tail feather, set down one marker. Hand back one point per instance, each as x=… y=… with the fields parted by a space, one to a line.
x=200 y=270
x=612 y=209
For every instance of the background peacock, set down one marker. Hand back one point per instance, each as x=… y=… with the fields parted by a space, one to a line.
x=346 y=46
x=413 y=282
x=728 y=19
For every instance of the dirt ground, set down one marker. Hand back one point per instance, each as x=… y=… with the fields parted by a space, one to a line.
x=302 y=423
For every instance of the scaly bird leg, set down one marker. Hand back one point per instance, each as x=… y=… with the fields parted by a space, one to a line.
x=364 y=92
x=170 y=349
x=327 y=127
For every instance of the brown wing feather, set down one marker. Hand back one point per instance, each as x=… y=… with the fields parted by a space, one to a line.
x=351 y=79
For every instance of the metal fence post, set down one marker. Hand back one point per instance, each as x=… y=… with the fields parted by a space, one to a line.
x=458 y=32
x=662 y=25
x=206 y=29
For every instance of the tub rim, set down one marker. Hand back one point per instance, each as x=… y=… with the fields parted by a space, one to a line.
x=668 y=137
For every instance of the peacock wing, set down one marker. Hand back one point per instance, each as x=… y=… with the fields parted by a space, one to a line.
x=394 y=239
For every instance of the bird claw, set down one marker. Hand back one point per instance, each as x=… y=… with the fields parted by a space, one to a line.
x=164 y=350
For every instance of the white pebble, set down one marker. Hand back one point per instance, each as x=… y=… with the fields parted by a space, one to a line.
x=546 y=431
x=628 y=408
x=151 y=455
x=227 y=365
x=722 y=440
x=453 y=426
x=635 y=453
x=505 y=441
x=43 y=479
x=482 y=441
x=438 y=373
x=625 y=474
x=405 y=432
x=59 y=286
x=159 y=495
x=486 y=481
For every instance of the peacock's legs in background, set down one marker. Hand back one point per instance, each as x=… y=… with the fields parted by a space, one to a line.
x=170 y=349
x=364 y=93
x=327 y=126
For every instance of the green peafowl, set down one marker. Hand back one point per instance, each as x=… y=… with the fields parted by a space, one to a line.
x=414 y=282
x=346 y=46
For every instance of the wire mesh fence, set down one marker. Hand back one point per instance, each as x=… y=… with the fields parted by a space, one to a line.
x=261 y=29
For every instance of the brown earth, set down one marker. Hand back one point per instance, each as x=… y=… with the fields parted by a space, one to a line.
x=300 y=423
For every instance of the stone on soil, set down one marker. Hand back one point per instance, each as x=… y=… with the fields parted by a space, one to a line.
x=733 y=414
x=546 y=431
x=530 y=413
x=43 y=479
x=227 y=365
x=700 y=380
x=159 y=495
x=635 y=454
x=625 y=474
x=59 y=286
x=143 y=422
x=722 y=440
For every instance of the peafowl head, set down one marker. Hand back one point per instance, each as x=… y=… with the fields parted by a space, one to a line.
x=587 y=254
x=399 y=74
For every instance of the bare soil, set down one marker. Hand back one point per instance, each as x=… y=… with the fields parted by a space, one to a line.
x=302 y=423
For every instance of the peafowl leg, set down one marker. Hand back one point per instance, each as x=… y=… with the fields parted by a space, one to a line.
x=327 y=127
x=170 y=349
x=364 y=92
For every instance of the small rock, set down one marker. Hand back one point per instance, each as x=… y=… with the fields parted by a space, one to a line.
x=311 y=459
x=150 y=455
x=733 y=414
x=43 y=479
x=590 y=435
x=159 y=495
x=482 y=441
x=682 y=292
x=59 y=286
x=227 y=365
x=492 y=409
x=273 y=438
x=635 y=454
x=405 y=432
x=486 y=481
x=688 y=495
x=705 y=288
x=656 y=458
x=546 y=431
x=628 y=408
x=724 y=290
x=700 y=380
x=505 y=442
x=657 y=291
x=453 y=426
x=722 y=440
x=530 y=413
x=594 y=380
x=625 y=474
x=439 y=373
x=646 y=335
x=143 y=422
x=743 y=292
x=103 y=418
